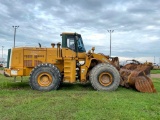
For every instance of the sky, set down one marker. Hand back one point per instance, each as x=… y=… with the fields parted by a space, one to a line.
x=136 y=25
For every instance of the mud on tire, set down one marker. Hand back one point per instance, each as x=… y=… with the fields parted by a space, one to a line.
x=104 y=77
x=45 y=77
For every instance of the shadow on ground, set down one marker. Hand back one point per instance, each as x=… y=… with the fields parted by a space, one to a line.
x=63 y=86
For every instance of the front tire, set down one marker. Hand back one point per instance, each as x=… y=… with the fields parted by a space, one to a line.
x=45 y=77
x=104 y=77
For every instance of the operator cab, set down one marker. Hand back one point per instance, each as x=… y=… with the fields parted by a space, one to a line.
x=73 y=41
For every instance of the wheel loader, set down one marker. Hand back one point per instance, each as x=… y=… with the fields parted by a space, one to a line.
x=70 y=63
x=67 y=62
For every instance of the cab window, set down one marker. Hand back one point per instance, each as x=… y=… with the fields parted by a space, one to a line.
x=70 y=43
x=80 y=45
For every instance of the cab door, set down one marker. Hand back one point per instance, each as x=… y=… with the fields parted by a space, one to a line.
x=70 y=50
x=69 y=55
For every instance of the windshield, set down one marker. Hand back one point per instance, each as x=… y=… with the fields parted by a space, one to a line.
x=80 y=45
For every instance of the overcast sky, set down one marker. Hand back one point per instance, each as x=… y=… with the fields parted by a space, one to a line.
x=136 y=25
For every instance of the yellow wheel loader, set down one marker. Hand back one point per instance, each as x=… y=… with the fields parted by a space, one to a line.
x=69 y=62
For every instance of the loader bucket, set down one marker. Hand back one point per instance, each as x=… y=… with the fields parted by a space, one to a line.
x=136 y=75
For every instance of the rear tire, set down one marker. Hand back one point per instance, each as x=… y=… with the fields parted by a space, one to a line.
x=104 y=77
x=45 y=77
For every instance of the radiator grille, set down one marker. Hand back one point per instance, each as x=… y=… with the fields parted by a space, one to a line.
x=27 y=56
x=28 y=63
x=37 y=62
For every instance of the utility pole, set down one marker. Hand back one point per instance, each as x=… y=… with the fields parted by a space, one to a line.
x=15 y=27
x=110 y=31
x=2 y=54
x=154 y=60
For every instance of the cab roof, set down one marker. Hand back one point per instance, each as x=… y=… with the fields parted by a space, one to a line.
x=69 y=33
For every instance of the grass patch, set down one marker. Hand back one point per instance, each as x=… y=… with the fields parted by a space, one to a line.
x=154 y=71
x=1 y=68
x=75 y=102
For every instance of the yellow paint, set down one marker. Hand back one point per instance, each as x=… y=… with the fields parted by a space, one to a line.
x=44 y=79
x=24 y=59
x=69 y=70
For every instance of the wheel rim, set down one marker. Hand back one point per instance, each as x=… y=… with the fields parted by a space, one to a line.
x=44 y=79
x=105 y=79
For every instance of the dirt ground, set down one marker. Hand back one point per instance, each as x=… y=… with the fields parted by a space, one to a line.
x=152 y=75
x=1 y=71
x=155 y=75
